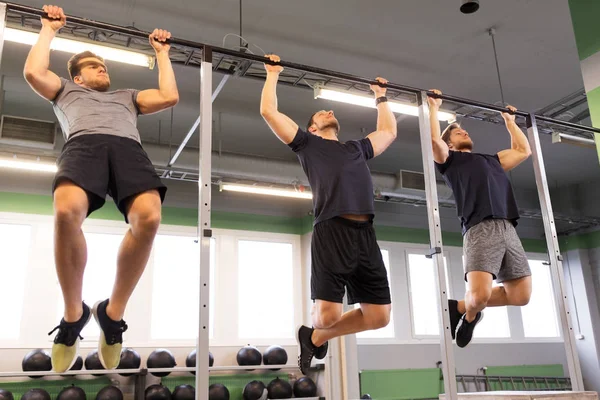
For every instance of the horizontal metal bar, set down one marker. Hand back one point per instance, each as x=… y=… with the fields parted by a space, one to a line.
x=100 y=25
x=568 y=124
x=300 y=67
x=155 y=370
x=478 y=104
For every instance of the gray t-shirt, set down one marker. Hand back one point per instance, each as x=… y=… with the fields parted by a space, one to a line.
x=82 y=111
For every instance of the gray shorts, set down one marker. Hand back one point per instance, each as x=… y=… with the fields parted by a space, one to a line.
x=493 y=246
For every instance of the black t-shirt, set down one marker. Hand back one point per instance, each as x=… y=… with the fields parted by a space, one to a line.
x=338 y=174
x=480 y=186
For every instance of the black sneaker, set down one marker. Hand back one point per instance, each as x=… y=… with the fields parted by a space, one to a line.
x=464 y=332
x=455 y=316
x=111 y=336
x=306 y=348
x=66 y=341
x=321 y=351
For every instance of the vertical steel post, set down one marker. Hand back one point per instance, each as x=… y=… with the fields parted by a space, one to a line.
x=435 y=239
x=204 y=229
x=2 y=26
x=556 y=268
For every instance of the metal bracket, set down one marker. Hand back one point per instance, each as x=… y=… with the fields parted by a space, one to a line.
x=433 y=251
x=559 y=257
x=207 y=233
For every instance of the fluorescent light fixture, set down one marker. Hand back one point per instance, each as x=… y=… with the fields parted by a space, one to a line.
x=265 y=190
x=74 y=46
x=558 y=137
x=366 y=101
x=28 y=165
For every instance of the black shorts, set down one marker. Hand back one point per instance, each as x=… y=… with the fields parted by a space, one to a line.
x=107 y=164
x=344 y=254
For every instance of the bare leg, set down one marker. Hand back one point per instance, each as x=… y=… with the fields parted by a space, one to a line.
x=144 y=217
x=479 y=293
x=515 y=292
x=70 y=250
x=368 y=316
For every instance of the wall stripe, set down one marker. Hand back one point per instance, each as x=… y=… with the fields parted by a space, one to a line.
x=42 y=205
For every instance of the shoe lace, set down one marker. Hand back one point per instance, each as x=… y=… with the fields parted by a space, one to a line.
x=64 y=332
x=116 y=335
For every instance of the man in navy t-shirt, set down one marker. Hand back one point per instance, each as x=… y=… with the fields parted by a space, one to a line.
x=488 y=214
x=344 y=250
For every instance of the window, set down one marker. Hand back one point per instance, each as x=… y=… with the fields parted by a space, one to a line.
x=16 y=247
x=423 y=296
x=99 y=275
x=176 y=280
x=265 y=290
x=388 y=331
x=539 y=316
x=495 y=322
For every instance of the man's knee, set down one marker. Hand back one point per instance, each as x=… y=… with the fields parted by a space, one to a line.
x=145 y=222
x=145 y=215
x=378 y=317
x=70 y=207
x=480 y=297
x=326 y=317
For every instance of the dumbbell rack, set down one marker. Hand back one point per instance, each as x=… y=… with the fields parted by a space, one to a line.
x=140 y=374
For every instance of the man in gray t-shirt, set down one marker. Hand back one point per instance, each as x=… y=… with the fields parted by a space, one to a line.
x=103 y=155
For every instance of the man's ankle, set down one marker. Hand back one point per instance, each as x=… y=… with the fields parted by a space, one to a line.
x=470 y=316
x=73 y=315
x=314 y=338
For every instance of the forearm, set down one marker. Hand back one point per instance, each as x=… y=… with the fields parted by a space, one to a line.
x=38 y=59
x=519 y=141
x=167 y=85
x=268 y=99
x=386 y=122
x=434 y=123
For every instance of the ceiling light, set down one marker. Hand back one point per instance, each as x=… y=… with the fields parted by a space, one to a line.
x=265 y=190
x=28 y=165
x=368 y=101
x=74 y=46
x=571 y=139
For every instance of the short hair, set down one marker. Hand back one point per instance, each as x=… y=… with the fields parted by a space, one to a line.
x=73 y=66
x=446 y=134
x=311 y=121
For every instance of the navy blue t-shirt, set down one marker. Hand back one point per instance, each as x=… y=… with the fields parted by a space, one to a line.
x=338 y=174
x=480 y=186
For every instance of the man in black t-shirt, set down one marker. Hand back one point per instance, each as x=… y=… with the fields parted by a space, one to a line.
x=488 y=213
x=344 y=250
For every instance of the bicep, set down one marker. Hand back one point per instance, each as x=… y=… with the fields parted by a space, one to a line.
x=380 y=140
x=150 y=101
x=46 y=85
x=440 y=151
x=282 y=126
x=510 y=158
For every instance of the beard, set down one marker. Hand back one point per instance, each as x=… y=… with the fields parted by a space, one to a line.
x=466 y=145
x=333 y=124
x=100 y=85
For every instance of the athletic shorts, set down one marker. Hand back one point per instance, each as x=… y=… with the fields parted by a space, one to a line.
x=107 y=164
x=493 y=246
x=345 y=254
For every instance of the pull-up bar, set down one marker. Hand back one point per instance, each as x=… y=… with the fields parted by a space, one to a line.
x=299 y=67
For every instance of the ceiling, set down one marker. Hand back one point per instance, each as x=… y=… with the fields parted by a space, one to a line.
x=420 y=43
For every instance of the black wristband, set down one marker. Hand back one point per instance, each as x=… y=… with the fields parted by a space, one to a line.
x=381 y=99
